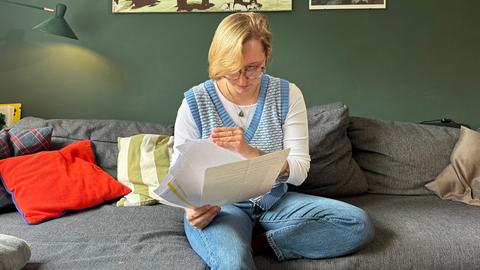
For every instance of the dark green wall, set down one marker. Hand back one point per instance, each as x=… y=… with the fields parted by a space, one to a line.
x=416 y=60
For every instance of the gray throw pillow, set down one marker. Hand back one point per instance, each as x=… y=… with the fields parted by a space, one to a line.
x=14 y=252
x=333 y=172
x=399 y=157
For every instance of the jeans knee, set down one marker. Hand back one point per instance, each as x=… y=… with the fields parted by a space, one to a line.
x=354 y=229
x=239 y=260
x=363 y=230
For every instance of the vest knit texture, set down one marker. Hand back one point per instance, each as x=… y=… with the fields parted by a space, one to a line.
x=264 y=131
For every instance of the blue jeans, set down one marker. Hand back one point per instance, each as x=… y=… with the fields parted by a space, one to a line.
x=297 y=226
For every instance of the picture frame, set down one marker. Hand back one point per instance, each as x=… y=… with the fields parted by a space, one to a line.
x=188 y=6
x=347 y=4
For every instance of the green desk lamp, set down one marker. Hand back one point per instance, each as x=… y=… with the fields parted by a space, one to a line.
x=55 y=25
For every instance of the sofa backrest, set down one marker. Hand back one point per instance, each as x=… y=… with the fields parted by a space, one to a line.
x=102 y=133
x=394 y=157
x=399 y=157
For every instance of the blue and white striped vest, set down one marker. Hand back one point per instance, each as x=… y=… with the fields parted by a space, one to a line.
x=264 y=130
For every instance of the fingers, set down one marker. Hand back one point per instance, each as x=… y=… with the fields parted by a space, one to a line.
x=221 y=129
x=229 y=140
x=193 y=213
x=227 y=136
x=203 y=221
x=202 y=216
x=230 y=144
x=225 y=132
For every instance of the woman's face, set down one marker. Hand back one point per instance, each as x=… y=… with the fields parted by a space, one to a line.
x=247 y=80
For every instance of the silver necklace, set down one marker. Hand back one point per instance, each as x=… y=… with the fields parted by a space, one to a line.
x=243 y=117
x=241 y=114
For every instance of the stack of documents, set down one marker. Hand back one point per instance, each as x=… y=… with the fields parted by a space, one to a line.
x=208 y=174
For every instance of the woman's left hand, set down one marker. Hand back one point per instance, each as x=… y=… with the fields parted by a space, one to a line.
x=232 y=138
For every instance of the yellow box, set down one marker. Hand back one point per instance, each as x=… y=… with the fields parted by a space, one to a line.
x=12 y=111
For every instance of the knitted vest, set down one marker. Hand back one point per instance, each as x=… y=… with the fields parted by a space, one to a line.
x=264 y=131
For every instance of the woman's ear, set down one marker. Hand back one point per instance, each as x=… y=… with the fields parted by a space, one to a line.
x=268 y=55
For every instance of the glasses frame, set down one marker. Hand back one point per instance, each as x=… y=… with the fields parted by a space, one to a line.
x=245 y=71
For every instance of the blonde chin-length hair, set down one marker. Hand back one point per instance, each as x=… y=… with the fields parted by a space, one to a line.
x=225 y=55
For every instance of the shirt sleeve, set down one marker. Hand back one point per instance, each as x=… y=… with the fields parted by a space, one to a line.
x=185 y=129
x=295 y=130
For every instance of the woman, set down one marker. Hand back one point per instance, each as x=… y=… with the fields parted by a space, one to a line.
x=244 y=110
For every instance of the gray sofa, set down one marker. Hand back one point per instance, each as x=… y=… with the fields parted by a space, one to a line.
x=380 y=166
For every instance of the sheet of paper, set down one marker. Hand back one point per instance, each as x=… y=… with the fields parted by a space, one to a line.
x=205 y=173
x=195 y=157
x=242 y=180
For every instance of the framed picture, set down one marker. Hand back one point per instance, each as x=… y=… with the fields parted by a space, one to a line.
x=149 y=6
x=347 y=4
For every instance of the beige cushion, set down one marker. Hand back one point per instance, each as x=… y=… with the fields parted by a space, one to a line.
x=460 y=181
x=143 y=163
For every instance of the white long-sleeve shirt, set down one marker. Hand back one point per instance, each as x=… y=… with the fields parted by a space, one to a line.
x=295 y=130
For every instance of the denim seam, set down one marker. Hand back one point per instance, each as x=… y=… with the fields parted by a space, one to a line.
x=287 y=220
x=207 y=245
x=274 y=247
x=277 y=251
x=330 y=220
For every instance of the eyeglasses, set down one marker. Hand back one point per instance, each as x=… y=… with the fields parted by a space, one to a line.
x=250 y=72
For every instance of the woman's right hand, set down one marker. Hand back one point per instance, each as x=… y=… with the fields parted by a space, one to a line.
x=202 y=216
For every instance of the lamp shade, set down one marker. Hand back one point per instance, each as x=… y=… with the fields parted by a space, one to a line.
x=57 y=25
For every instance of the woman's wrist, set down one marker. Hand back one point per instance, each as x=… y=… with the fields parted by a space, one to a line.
x=252 y=152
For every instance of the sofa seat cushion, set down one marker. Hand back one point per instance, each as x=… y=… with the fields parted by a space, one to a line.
x=412 y=232
x=108 y=237
x=14 y=252
x=399 y=157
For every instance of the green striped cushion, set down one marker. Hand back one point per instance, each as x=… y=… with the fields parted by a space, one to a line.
x=143 y=162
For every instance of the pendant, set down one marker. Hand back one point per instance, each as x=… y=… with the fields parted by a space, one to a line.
x=240 y=113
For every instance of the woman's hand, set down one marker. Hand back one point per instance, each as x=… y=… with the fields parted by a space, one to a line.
x=232 y=138
x=202 y=216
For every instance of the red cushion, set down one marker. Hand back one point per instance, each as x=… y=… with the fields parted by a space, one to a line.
x=46 y=184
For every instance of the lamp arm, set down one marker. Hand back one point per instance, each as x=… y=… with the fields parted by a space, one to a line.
x=30 y=6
